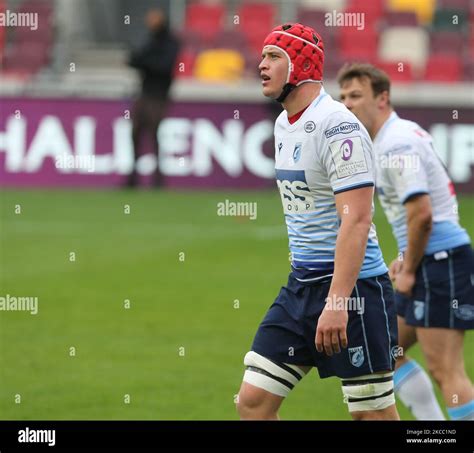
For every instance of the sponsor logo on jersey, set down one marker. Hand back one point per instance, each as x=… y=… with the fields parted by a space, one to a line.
x=297 y=152
x=309 y=126
x=356 y=356
x=348 y=157
x=294 y=191
x=343 y=128
x=280 y=146
x=419 y=309
x=346 y=149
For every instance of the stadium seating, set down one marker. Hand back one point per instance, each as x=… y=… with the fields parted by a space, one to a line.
x=395 y=31
x=447 y=42
x=255 y=21
x=205 y=20
x=323 y=5
x=450 y=19
x=219 y=65
x=424 y=9
x=29 y=50
x=401 y=19
x=397 y=71
x=358 y=44
x=2 y=33
x=408 y=44
x=443 y=68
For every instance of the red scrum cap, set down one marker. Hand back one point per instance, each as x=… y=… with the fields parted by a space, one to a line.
x=304 y=49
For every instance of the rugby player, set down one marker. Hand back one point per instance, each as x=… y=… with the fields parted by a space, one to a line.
x=434 y=273
x=325 y=174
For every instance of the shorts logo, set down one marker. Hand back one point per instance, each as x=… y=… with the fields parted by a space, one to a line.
x=346 y=149
x=396 y=351
x=297 y=152
x=309 y=126
x=465 y=312
x=419 y=309
x=356 y=356
x=343 y=128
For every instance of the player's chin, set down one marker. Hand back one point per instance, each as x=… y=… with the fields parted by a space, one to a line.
x=269 y=92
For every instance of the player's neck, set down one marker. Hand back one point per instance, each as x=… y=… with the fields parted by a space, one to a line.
x=301 y=97
x=379 y=122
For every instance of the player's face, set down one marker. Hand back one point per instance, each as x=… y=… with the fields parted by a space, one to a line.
x=273 y=72
x=358 y=97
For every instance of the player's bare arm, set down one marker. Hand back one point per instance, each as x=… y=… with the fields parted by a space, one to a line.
x=419 y=227
x=354 y=208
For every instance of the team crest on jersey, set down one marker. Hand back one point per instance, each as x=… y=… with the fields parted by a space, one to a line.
x=465 y=312
x=297 y=152
x=356 y=356
x=309 y=126
x=419 y=309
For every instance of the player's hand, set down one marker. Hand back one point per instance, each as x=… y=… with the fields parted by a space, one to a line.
x=331 y=331
x=405 y=281
x=394 y=269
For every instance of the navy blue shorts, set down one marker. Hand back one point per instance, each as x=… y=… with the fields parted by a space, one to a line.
x=287 y=333
x=443 y=295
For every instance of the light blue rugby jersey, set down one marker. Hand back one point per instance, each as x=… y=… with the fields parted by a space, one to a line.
x=325 y=152
x=406 y=165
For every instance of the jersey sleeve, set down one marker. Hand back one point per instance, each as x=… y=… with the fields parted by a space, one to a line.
x=405 y=169
x=346 y=153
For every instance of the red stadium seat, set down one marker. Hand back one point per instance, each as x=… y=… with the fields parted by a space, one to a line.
x=446 y=42
x=26 y=58
x=443 y=68
x=255 y=21
x=185 y=63
x=454 y=4
x=396 y=71
x=401 y=19
x=468 y=71
x=2 y=33
x=358 y=44
x=373 y=10
x=373 y=6
x=316 y=19
x=204 y=20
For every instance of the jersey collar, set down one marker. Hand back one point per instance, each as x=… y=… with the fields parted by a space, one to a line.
x=292 y=127
x=393 y=116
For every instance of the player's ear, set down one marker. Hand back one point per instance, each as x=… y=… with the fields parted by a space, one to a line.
x=384 y=99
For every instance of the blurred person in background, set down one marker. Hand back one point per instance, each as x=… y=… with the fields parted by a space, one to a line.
x=434 y=273
x=156 y=62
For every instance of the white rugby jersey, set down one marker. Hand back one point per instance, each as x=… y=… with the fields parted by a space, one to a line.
x=406 y=165
x=325 y=152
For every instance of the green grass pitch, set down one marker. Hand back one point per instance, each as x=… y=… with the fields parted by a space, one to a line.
x=198 y=286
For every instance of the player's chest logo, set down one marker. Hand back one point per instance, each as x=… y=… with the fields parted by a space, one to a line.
x=280 y=146
x=297 y=152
